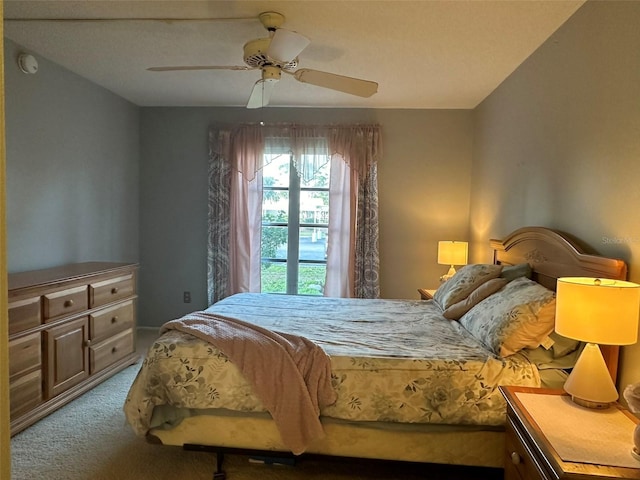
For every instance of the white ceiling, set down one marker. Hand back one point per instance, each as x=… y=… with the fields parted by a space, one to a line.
x=423 y=54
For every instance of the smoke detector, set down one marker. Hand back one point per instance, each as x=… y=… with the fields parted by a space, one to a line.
x=27 y=63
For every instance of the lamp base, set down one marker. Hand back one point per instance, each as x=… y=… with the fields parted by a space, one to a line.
x=590 y=384
x=589 y=404
x=448 y=275
x=635 y=454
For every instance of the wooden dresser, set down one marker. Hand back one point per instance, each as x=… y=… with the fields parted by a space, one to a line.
x=70 y=328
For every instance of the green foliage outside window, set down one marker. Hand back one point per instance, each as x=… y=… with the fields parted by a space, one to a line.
x=272 y=237
x=310 y=281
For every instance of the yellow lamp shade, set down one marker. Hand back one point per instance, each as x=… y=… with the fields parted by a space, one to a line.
x=452 y=252
x=598 y=310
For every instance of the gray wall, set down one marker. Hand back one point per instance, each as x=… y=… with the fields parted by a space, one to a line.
x=72 y=169
x=424 y=184
x=558 y=143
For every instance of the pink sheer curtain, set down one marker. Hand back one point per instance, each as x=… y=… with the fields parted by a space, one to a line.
x=340 y=248
x=246 y=223
x=246 y=155
x=352 y=251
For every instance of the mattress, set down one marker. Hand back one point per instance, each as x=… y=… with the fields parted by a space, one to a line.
x=397 y=361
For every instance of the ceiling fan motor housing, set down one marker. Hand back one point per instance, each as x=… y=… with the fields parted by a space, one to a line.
x=255 y=55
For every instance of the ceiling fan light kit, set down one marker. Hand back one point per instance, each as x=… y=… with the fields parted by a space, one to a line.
x=279 y=53
x=286 y=45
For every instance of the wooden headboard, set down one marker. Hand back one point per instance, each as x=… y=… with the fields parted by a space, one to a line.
x=553 y=254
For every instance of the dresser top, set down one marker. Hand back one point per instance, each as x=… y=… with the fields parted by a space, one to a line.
x=70 y=271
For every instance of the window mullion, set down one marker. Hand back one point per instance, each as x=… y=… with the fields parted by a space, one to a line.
x=293 y=253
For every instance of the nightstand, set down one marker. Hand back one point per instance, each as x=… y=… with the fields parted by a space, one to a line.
x=426 y=294
x=532 y=437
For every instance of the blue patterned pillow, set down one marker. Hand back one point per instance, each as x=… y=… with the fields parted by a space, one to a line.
x=521 y=315
x=465 y=281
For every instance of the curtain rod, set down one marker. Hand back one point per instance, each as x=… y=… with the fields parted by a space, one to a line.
x=294 y=125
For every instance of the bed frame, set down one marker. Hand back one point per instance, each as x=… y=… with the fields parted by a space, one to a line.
x=551 y=255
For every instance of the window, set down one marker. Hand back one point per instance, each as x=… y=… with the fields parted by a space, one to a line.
x=342 y=157
x=295 y=224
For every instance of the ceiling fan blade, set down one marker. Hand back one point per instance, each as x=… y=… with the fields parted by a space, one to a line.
x=130 y=19
x=353 y=86
x=286 y=45
x=200 y=67
x=261 y=93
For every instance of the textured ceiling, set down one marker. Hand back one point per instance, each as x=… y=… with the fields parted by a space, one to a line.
x=423 y=54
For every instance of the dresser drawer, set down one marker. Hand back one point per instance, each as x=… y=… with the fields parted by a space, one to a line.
x=64 y=302
x=110 y=321
x=25 y=393
x=24 y=354
x=24 y=314
x=111 y=290
x=105 y=353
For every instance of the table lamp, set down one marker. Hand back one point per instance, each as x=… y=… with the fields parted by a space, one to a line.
x=451 y=252
x=595 y=311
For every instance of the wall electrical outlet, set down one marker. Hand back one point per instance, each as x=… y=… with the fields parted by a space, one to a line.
x=186 y=297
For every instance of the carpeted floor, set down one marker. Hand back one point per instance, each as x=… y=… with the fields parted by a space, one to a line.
x=89 y=440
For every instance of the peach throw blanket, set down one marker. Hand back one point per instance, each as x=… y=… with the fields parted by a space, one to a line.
x=290 y=374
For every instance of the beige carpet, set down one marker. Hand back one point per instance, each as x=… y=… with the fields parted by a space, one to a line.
x=89 y=440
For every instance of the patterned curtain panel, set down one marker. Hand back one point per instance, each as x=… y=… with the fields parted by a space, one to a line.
x=367 y=261
x=234 y=149
x=361 y=147
x=219 y=216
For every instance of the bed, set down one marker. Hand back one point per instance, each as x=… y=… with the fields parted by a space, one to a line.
x=396 y=393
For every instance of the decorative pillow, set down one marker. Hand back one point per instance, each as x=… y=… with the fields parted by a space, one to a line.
x=465 y=281
x=511 y=272
x=455 y=311
x=521 y=315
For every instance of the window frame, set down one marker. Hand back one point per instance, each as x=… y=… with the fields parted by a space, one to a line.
x=294 y=226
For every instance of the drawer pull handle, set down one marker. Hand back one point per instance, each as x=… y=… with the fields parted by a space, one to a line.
x=87 y=343
x=114 y=290
x=114 y=349
x=114 y=319
x=68 y=303
x=515 y=458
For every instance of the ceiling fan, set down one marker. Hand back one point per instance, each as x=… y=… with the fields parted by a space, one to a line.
x=276 y=54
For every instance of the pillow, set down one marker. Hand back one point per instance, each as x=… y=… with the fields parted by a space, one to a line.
x=465 y=281
x=521 y=315
x=563 y=353
x=552 y=369
x=455 y=311
x=511 y=272
x=562 y=345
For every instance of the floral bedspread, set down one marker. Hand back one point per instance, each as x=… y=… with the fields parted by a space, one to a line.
x=392 y=361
